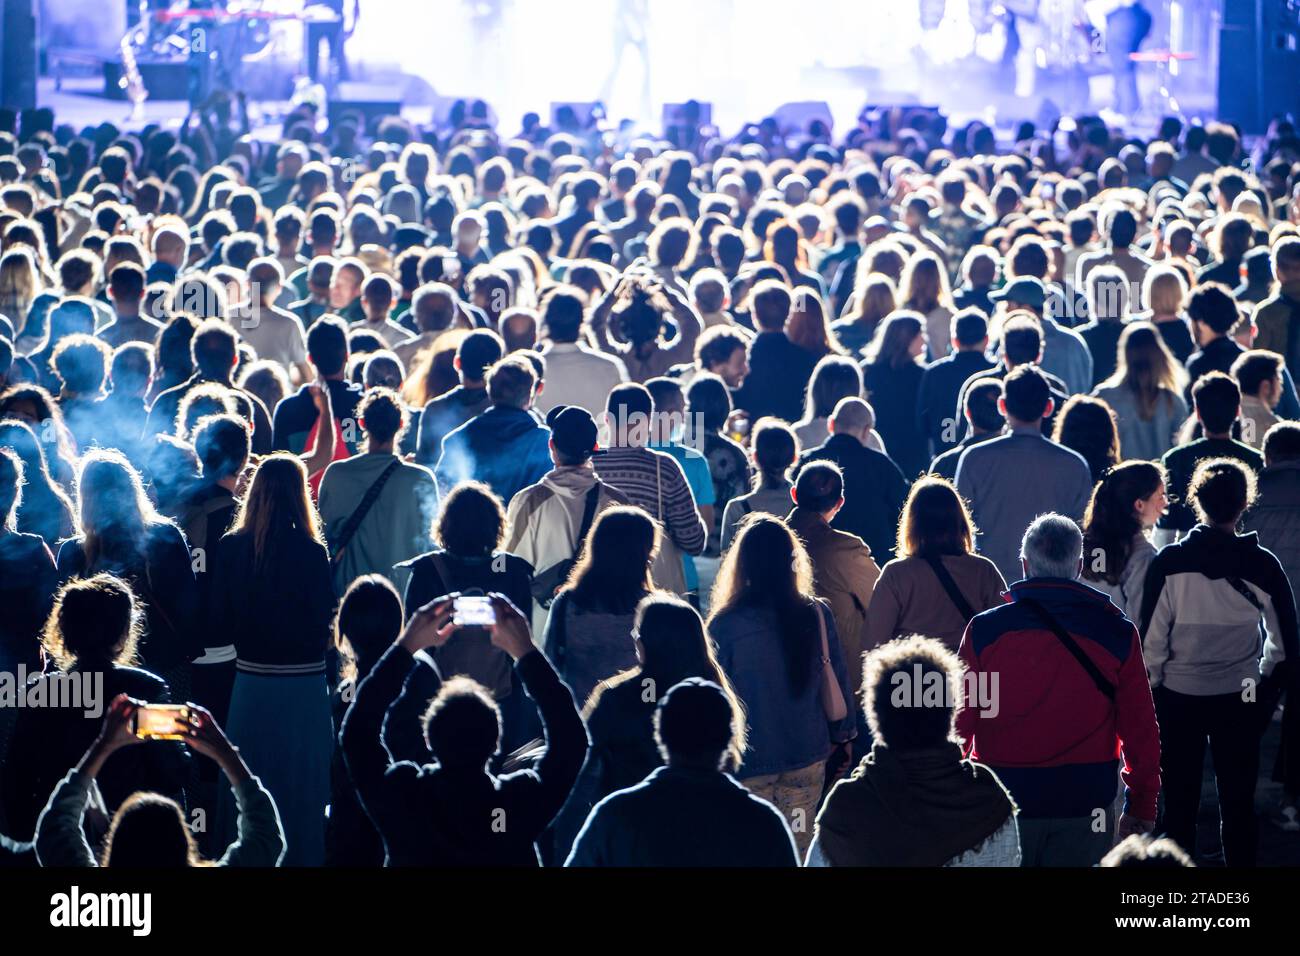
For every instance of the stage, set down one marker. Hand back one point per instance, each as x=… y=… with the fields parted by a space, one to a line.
x=746 y=58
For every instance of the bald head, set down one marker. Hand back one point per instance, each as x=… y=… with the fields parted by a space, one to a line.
x=434 y=307
x=853 y=417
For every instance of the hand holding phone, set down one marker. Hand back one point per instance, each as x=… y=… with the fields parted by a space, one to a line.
x=473 y=612
x=162 y=721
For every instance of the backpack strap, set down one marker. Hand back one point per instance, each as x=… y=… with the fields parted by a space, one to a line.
x=950 y=586
x=1071 y=645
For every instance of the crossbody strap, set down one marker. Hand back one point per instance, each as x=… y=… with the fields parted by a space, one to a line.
x=1244 y=590
x=1071 y=645
x=353 y=523
x=954 y=593
x=588 y=517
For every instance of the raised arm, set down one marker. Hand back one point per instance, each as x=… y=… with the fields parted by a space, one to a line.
x=556 y=770
x=321 y=454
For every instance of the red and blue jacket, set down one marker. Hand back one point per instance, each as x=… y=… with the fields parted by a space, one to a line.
x=1034 y=714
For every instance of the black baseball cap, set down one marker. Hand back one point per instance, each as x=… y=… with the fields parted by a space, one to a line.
x=574 y=432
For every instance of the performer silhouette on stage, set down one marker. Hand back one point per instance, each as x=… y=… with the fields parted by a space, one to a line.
x=631 y=34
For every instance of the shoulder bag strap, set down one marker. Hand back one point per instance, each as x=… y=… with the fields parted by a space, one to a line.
x=949 y=585
x=1244 y=590
x=659 y=483
x=359 y=515
x=832 y=696
x=1071 y=645
x=560 y=647
x=588 y=517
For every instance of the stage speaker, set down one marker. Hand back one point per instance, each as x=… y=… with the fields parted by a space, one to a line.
x=18 y=54
x=1259 y=62
x=370 y=101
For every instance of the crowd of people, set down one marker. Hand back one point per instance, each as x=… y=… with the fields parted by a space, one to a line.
x=525 y=501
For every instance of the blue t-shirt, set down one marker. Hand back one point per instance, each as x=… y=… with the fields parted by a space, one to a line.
x=696 y=467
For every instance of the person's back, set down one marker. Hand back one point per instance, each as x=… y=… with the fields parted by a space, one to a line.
x=1051 y=725
x=689 y=813
x=874 y=487
x=787 y=725
x=909 y=598
x=1011 y=480
x=1201 y=632
x=1217 y=400
x=844 y=574
x=453 y=812
x=779 y=373
x=1145 y=438
x=894 y=393
x=913 y=800
x=248 y=600
x=127 y=329
x=27 y=584
x=683 y=819
x=1275 y=516
x=505 y=448
x=396 y=527
x=444 y=415
x=296 y=417
x=597 y=644
x=1103 y=342
x=48 y=741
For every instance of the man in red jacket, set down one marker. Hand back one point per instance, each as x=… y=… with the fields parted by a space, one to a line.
x=1057 y=693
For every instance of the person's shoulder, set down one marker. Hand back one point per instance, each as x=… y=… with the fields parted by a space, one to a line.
x=512 y=562
x=1065 y=454
x=414 y=474
x=139 y=682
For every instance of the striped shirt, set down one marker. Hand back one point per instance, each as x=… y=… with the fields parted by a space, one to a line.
x=655 y=481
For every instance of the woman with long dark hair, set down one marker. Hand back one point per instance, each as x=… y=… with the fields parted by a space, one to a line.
x=892 y=376
x=1117 y=548
x=1088 y=426
x=273 y=598
x=672 y=645
x=121 y=533
x=778 y=646
x=588 y=635
x=937 y=583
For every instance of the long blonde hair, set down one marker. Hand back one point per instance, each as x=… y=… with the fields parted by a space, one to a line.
x=875 y=300
x=1146 y=367
x=20 y=283
x=277 y=499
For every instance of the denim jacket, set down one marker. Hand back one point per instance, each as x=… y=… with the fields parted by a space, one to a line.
x=787 y=731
